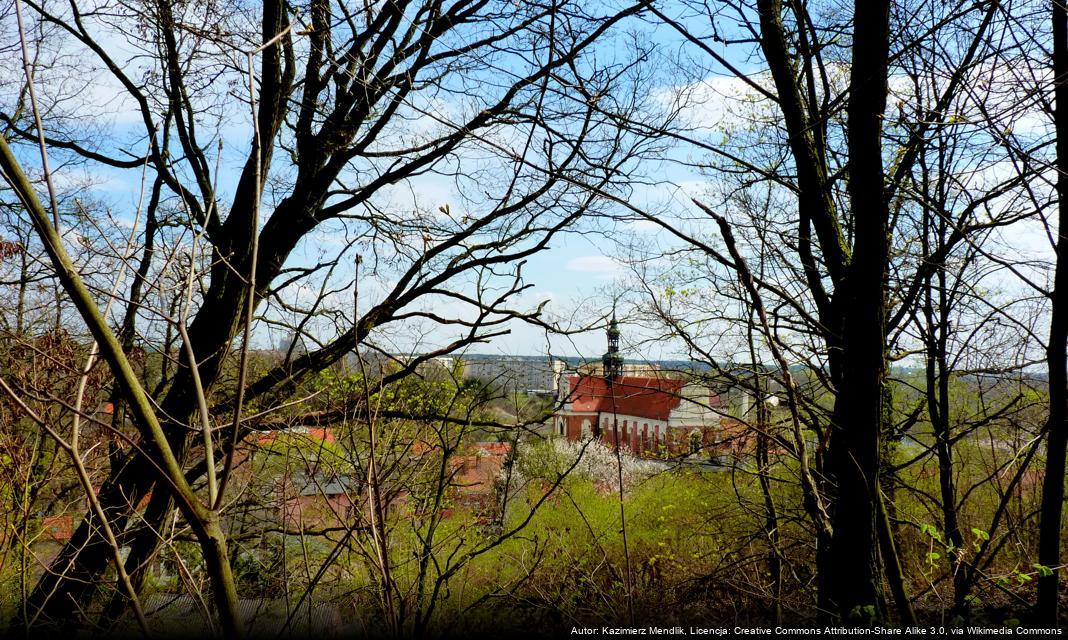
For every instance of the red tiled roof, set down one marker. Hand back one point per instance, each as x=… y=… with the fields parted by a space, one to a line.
x=324 y=434
x=645 y=397
x=58 y=528
x=491 y=448
x=478 y=469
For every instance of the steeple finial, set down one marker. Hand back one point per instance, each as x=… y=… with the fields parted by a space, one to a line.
x=613 y=360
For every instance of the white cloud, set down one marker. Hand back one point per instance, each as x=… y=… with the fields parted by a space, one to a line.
x=715 y=102
x=594 y=264
x=644 y=226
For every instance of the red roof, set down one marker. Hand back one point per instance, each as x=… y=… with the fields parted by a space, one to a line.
x=645 y=397
x=58 y=528
x=480 y=467
x=324 y=434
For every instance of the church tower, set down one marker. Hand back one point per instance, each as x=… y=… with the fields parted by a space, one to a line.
x=612 y=360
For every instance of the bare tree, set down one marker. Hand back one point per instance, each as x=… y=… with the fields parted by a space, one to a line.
x=347 y=103
x=812 y=151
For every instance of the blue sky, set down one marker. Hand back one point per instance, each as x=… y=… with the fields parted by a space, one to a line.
x=578 y=274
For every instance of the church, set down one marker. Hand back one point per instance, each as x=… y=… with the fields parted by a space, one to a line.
x=648 y=415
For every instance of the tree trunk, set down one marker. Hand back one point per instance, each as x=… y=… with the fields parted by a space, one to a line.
x=850 y=577
x=1049 y=543
x=895 y=575
x=771 y=520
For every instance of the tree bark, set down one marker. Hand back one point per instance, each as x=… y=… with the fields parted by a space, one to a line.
x=851 y=577
x=1050 y=527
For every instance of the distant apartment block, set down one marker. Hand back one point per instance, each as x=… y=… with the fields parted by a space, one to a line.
x=529 y=375
x=376 y=364
x=646 y=369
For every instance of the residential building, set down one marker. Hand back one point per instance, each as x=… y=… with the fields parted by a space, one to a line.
x=529 y=375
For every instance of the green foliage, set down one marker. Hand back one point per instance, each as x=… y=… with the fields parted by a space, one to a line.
x=1043 y=570
x=864 y=614
x=933 y=532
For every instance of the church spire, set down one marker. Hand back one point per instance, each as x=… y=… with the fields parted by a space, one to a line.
x=612 y=360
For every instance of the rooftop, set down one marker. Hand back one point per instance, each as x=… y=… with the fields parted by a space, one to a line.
x=647 y=397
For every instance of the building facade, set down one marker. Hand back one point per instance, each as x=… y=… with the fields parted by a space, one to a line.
x=648 y=414
x=529 y=375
